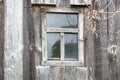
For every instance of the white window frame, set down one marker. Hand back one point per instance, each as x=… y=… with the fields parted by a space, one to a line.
x=79 y=30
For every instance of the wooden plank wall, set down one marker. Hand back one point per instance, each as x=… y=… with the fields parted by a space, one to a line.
x=99 y=46
x=61 y=73
x=1 y=40
x=107 y=44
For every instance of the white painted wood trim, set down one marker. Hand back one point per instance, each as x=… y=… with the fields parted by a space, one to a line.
x=62 y=30
x=63 y=10
x=44 y=38
x=81 y=24
x=62 y=47
x=80 y=38
x=62 y=63
x=13 y=39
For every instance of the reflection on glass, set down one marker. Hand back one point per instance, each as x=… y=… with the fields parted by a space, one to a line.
x=71 y=47
x=53 y=45
x=61 y=20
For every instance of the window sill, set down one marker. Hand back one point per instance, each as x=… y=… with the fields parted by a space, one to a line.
x=62 y=63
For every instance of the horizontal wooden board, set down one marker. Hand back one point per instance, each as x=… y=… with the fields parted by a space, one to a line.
x=54 y=2
x=62 y=63
x=80 y=2
x=61 y=73
x=44 y=2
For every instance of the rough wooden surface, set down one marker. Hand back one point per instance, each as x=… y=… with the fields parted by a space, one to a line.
x=26 y=24
x=100 y=48
x=107 y=45
x=45 y=2
x=13 y=40
x=61 y=73
x=80 y=2
x=55 y=2
x=1 y=40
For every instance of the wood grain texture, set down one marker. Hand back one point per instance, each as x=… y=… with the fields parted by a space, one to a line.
x=100 y=48
x=61 y=73
x=61 y=2
x=13 y=40
x=26 y=24
x=107 y=45
x=44 y=2
x=80 y=2
x=1 y=40
x=89 y=58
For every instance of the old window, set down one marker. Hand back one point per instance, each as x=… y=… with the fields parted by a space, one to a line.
x=62 y=37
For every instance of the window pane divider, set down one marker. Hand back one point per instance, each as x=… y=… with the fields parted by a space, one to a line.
x=62 y=47
x=71 y=30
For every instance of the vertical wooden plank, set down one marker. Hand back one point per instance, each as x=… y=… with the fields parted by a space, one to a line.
x=82 y=73
x=1 y=39
x=69 y=73
x=112 y=66
x=89 y=54
x=42 y=72
x=37 y=30
x=63 y=3
x=117 y=39
x=100 y=46
x=13 y=40
x=55 y=73
x=26 y=24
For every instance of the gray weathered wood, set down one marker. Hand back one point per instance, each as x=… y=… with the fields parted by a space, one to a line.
x=89 y=45
x=13 y=40
x=61 y=73
x=37 y=30
x=61 y=2
x=80 y=2
x=26 y=24
x=1 y=40
x=44 y=2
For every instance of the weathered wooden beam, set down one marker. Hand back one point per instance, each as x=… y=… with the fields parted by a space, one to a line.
x=1 y=40
x=13 y=40
x=55 y=2
x=61 y=73
x=44 y=2
x=80 y=2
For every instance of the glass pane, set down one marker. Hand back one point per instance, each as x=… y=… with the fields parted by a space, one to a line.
x=71 y=47
x=53 y=45
x=62 y=20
